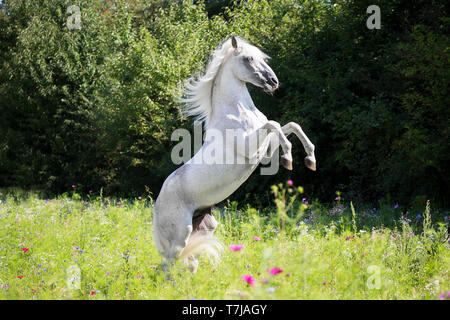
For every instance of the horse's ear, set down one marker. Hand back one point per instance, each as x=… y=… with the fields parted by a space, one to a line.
x=234 y=42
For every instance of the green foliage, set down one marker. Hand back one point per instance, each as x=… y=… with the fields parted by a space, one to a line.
x=96 y=107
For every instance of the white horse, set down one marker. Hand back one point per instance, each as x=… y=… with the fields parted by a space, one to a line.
x=183 y=223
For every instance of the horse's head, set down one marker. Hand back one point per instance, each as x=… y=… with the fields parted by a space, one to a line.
x=249 y=65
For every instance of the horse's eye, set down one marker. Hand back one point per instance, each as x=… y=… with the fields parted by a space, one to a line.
x=249 y=58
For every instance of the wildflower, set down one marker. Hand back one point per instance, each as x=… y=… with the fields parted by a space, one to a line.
x=154 y=266
x=270 y=289
x=396 y=206
x=325 y=283
x=74 y=186
x=274 y=271
x=90 y=191
x=20 y=277
x=256 y=238
x=249 y=279
x=263 y=280
x=444 y=296
x=92 y=293
x=419 y=216
x=290 y=182
x=337 y=198
x=139 y=276
x=236 y=247
x=25 y=250
x=288 y=274
x=139 y=198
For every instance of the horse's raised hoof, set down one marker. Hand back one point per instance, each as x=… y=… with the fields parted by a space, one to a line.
x=286 y=162
x=310 y=163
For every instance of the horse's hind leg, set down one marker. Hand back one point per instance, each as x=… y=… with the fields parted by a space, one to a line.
x=203 y=223
x=172 y=229
x=178 y=241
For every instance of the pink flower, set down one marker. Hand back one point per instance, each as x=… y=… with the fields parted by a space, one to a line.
x=444 y=296
x=264 y=280
x=92 y=293
x=236 y=247
x=275 y=271
x=25 y=250
x=290 y=182
x=256 y=238
x=154 y=266
x=74 y=186
x=249 y=279
x=139 y=198
x=324 y=283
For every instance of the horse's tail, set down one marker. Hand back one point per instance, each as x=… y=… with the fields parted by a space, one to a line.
x=202 y=243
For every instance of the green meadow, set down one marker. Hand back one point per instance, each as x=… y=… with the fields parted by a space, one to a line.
x=94 y=247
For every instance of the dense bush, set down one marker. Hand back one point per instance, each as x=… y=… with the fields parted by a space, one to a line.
x=95 y=107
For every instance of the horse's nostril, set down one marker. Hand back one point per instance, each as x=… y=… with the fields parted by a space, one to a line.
x=274 y=80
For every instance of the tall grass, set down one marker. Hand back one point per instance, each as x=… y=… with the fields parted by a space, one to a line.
x=75 y=247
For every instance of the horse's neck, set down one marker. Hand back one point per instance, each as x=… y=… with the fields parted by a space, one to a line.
x=228 y=92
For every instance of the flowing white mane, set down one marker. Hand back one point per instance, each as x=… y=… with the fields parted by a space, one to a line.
x=197 y=101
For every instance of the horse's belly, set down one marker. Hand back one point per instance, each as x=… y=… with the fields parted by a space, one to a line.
x=210 y=184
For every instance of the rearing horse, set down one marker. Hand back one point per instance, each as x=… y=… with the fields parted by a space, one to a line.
x=183 y=223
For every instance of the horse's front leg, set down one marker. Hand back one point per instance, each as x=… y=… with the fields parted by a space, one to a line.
x=310 y=159
x=269 y=137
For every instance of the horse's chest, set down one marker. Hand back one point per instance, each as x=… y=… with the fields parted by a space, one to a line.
x=250 y=119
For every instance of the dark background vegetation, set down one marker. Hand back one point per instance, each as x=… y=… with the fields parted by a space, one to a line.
x=96 y=107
